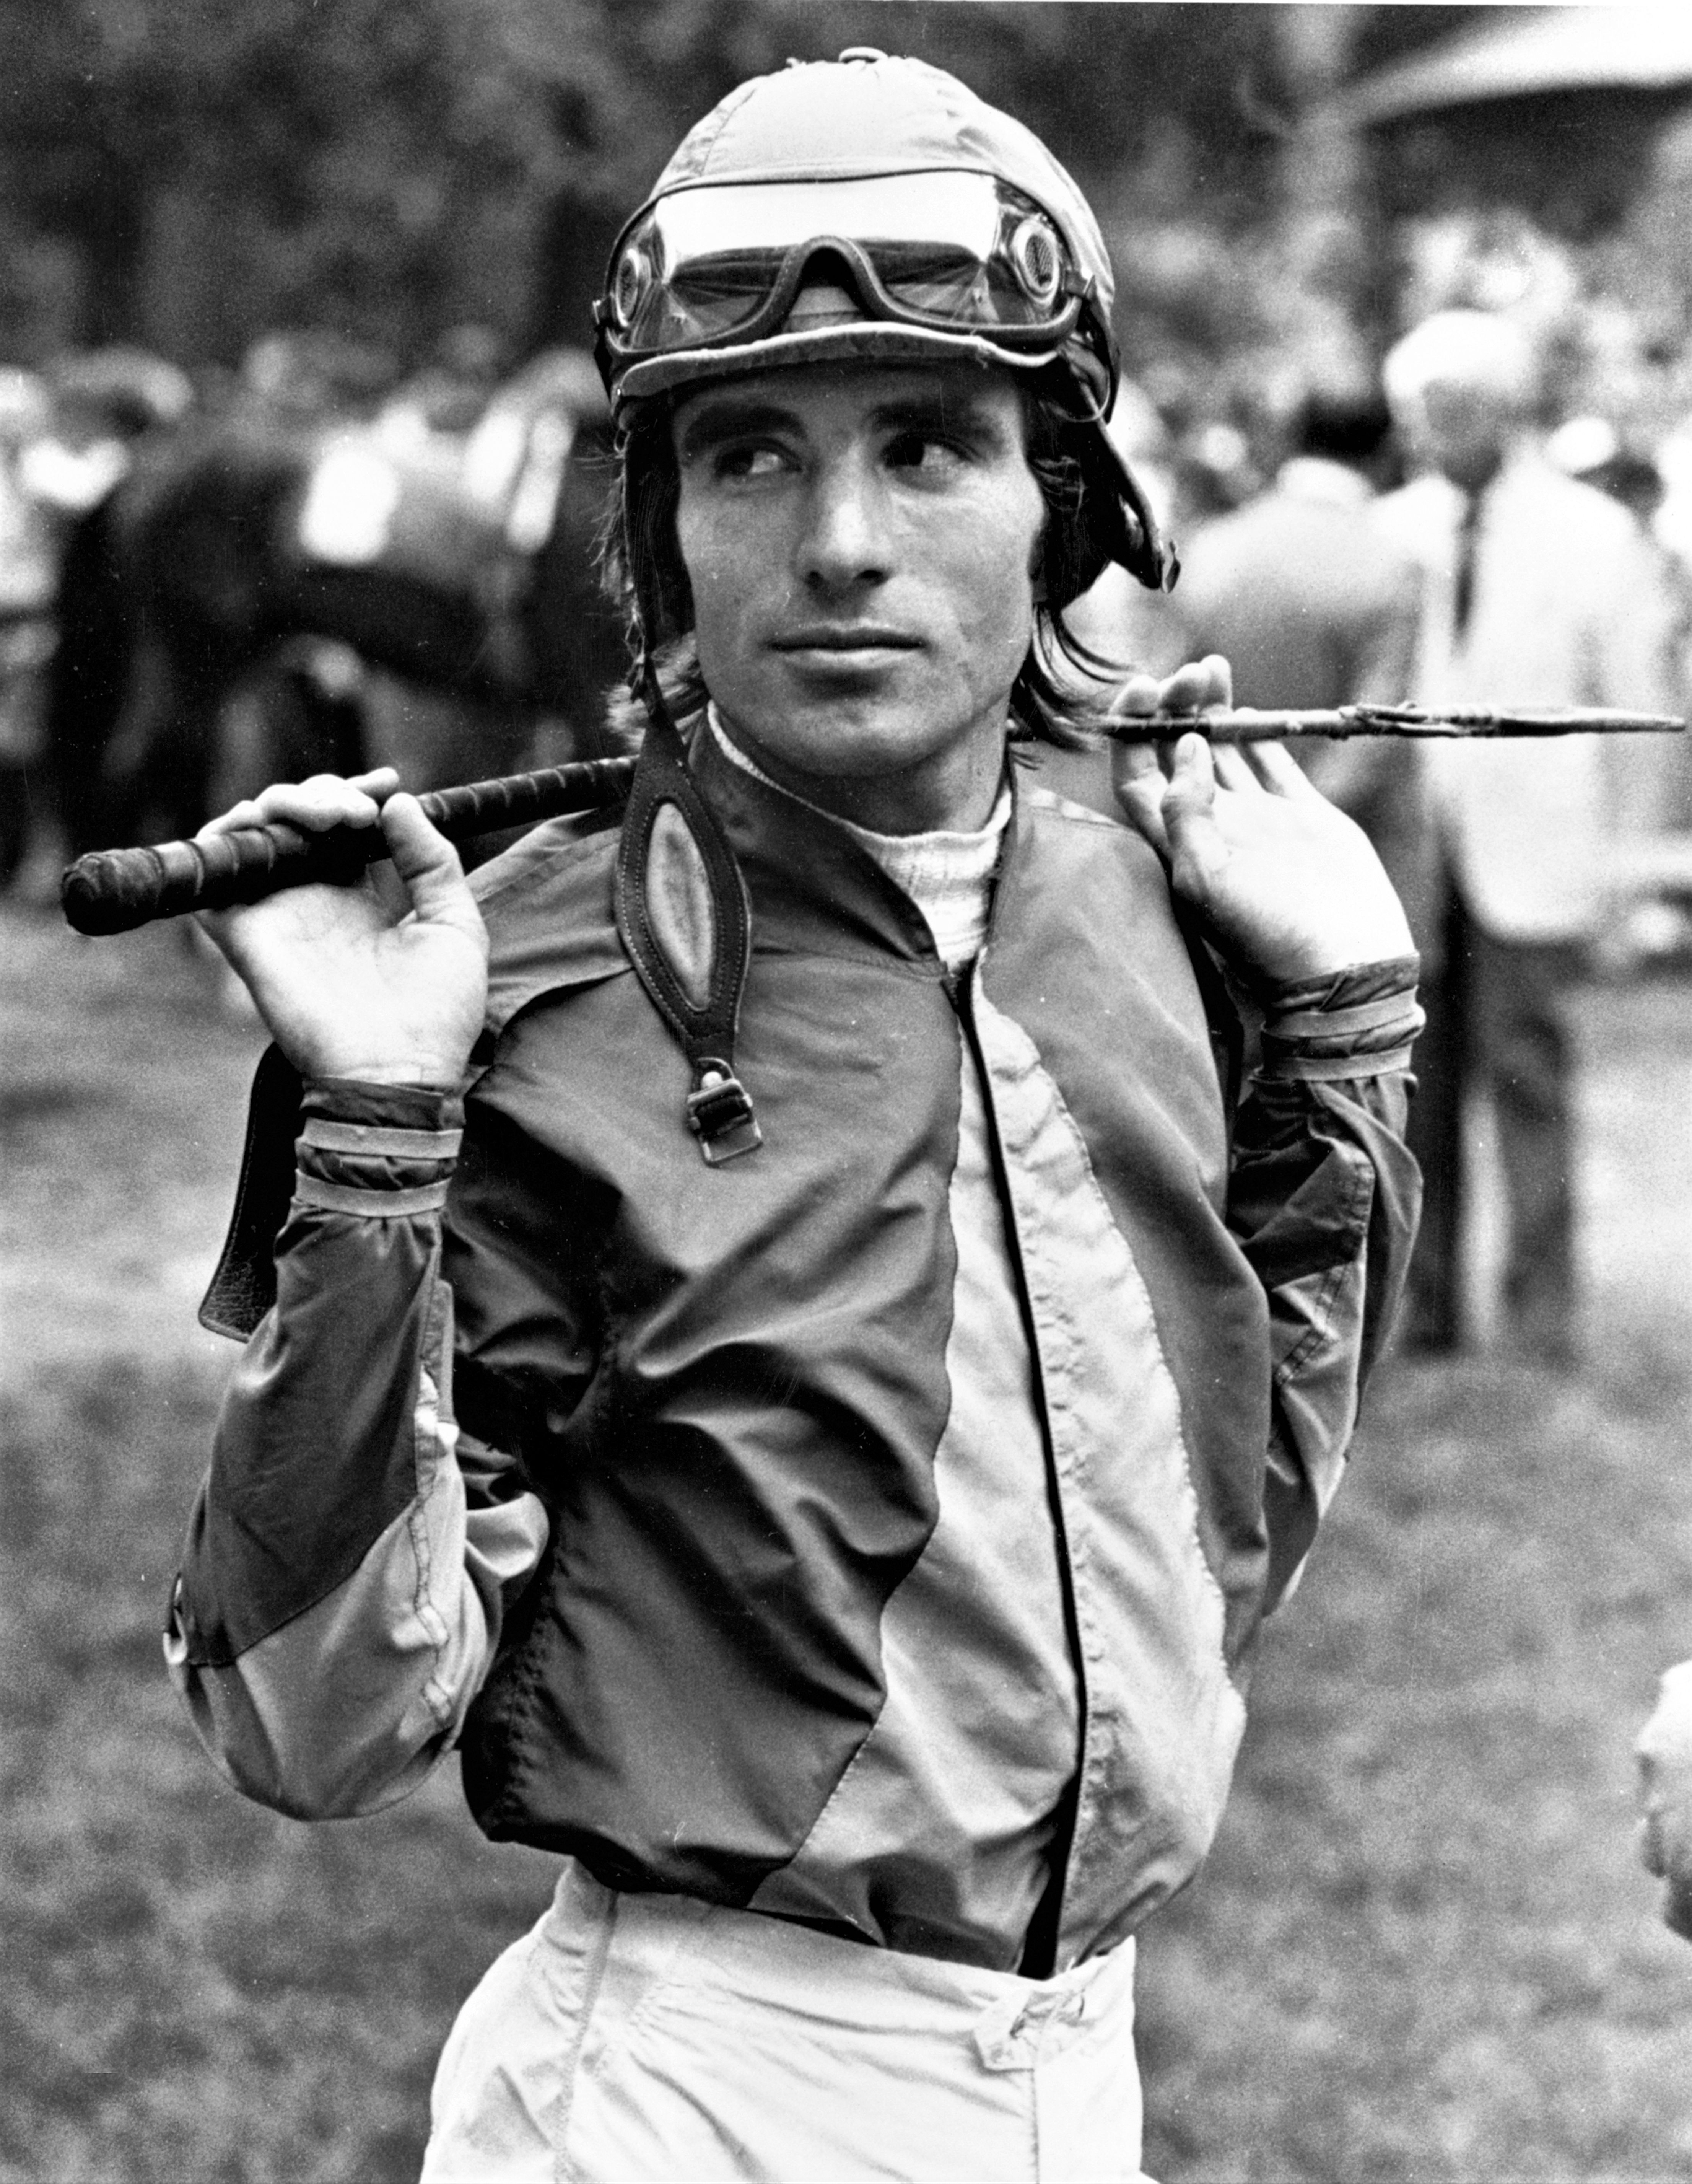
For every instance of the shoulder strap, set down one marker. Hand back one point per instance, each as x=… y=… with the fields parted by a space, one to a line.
x=683 y=916
x=244 y=1287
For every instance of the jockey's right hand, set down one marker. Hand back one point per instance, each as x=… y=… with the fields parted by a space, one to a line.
x=1664 y=1751
x=346 y=988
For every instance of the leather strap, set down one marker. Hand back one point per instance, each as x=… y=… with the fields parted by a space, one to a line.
x=244 y=1287
x=684 y=918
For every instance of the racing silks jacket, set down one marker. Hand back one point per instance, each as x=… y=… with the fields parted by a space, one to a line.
x=617 y=1470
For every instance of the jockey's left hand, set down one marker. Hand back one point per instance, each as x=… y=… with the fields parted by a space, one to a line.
x=1664 y=1751
x=1289 y=887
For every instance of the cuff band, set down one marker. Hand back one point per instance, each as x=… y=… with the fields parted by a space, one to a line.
x=1333 y=1069
x=331 y=1136
x=1349 y=987
x=1392 y=1009
x=372 y=1204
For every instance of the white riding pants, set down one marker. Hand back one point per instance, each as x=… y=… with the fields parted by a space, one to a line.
x=656 y=2037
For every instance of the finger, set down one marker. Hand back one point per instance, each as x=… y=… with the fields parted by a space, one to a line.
x=1192 y=791
x=1138 y=779
x=379 y=783
x=1234 y=769
x=1135 y=762
x=1138 y=694
x=1279 y=772
x=327 y=800
x=428 y=864
x=1220 y=672
x=244 y=814
x=1189 y=689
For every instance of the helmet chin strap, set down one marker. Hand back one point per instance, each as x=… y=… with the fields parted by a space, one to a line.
x=1150 y=557
x=685 y=922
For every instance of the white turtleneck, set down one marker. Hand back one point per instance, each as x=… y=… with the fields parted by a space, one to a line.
x=949 y=875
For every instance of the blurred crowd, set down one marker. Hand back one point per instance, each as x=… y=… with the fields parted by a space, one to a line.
x=1496 y=514
x=209 y=581
x=72 y=434
x=1488 y=504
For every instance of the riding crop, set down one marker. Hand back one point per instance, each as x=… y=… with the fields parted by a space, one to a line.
x=117 y=890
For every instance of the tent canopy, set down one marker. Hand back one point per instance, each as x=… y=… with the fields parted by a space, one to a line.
x=1646 y=48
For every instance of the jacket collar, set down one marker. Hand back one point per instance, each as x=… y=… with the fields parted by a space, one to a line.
x=814 y=890
x=812 y=886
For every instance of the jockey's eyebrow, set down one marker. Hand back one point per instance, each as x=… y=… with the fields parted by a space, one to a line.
x=731 y=416
x=946 y=412
x=949 y=409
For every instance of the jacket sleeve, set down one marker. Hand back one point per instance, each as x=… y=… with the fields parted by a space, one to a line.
x=351 y=1553
x=1324 y=1197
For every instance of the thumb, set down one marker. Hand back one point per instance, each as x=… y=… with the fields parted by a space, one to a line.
x=428 y=864
x=1190 y=805
x=1137 y=780
x=1191 y=796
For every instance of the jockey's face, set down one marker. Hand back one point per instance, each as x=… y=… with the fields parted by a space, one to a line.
x=860 y=541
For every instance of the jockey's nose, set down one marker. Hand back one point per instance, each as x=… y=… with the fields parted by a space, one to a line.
x=845 y=541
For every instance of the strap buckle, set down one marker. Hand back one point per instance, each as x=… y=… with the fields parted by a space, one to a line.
x=720 y=1114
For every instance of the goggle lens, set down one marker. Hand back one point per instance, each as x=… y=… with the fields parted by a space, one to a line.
x=957 y=249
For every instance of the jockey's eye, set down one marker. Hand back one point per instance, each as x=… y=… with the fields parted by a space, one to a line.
x=749 y=459
x=933 y=454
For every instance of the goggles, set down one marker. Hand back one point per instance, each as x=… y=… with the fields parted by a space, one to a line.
x=949 y=253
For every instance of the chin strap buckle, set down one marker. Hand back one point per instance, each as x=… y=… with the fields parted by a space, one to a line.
x=719 y=1114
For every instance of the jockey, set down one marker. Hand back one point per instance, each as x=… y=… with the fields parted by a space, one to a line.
x=798 y=1349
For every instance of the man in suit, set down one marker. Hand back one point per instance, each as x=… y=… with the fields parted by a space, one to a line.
x=1315 y=605
x=1536 y=590
x=1312 y=604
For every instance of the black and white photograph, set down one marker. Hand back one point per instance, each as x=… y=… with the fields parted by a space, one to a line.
x=845 y=1092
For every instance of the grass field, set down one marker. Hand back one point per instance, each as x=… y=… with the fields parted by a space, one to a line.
x=1420 y=1950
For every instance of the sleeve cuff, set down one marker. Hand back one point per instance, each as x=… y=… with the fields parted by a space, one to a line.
x=385 y=1151
x=1360 y=1022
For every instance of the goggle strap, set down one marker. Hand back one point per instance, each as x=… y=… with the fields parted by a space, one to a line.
x=789 y=279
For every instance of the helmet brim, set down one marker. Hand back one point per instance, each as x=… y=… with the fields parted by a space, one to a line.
x=870 y=340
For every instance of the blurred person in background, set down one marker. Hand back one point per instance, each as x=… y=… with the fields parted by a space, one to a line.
x=1314 y=603
x=106 y=404
x=1535 y=590
x=1664 y=1752
x=835 y=1523
x=447 y=395
x=306 y=377
x=29 y=582
x=114 y=409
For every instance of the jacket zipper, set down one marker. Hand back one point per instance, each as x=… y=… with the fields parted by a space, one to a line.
x=962 y=990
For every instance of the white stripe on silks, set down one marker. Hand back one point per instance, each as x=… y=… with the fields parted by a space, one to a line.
x=1163 y=1720
x=414 y=1612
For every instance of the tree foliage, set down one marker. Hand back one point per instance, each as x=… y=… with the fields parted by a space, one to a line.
x=390 y=167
